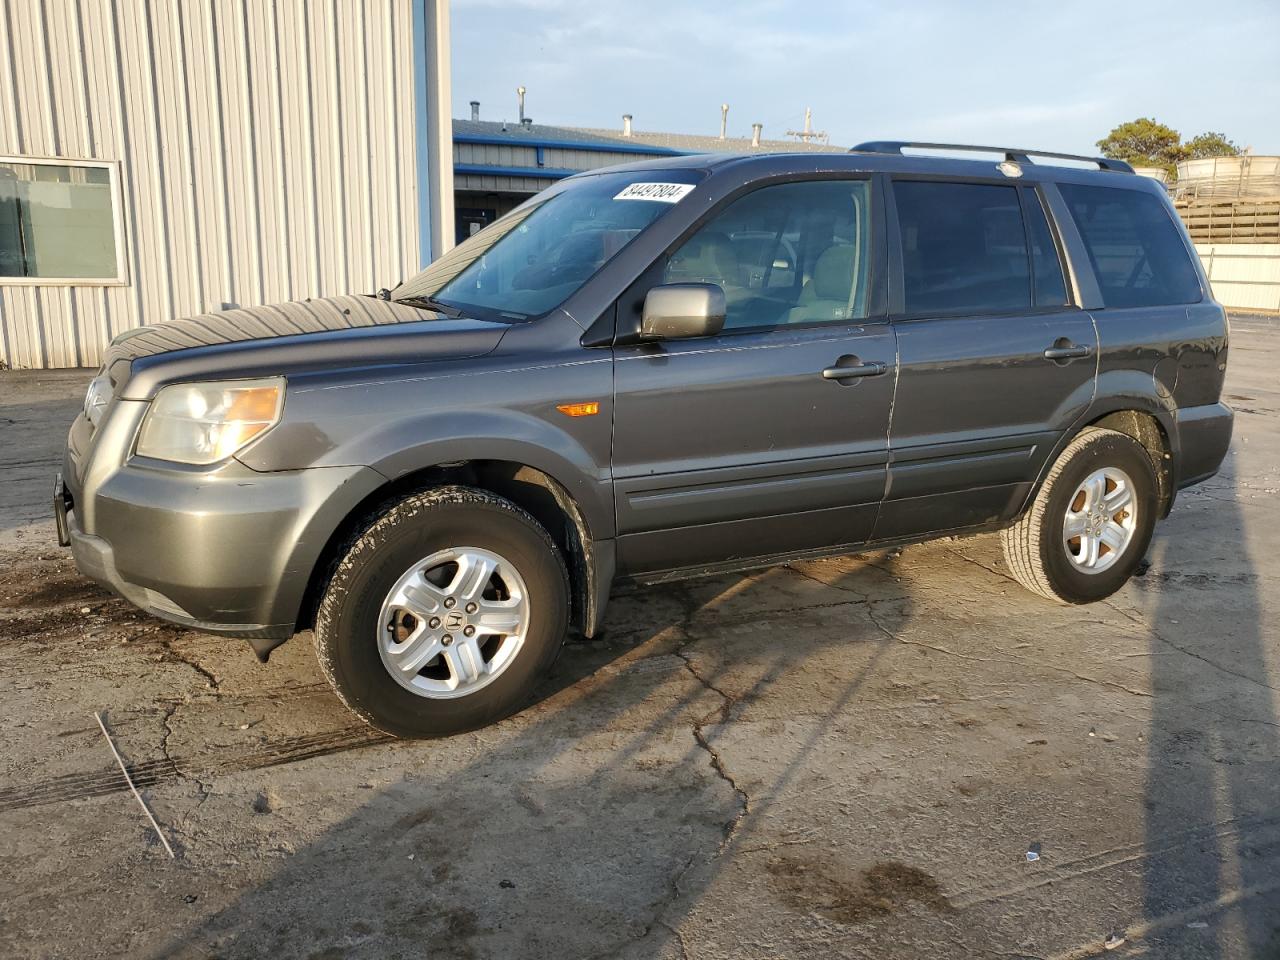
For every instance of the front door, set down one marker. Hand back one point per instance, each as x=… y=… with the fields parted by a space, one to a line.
x=770 y=438
x=994 y=361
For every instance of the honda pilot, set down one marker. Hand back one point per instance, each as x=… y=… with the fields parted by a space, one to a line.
x=661 y=370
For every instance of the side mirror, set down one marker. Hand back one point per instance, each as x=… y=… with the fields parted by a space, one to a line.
x=677 y=311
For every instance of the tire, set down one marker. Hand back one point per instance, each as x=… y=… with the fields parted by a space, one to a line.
x=381 y=574
x=1036 y=547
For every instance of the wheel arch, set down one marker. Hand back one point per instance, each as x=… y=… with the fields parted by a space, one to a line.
x=1145 y=420
x=1147 y=429
x=545 y=498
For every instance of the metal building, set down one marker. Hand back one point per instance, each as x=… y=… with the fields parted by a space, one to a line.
x=160 y=159
x=498 y=164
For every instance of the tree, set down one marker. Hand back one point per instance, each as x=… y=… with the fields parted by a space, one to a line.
x=1209 y=145
x=1144 y=143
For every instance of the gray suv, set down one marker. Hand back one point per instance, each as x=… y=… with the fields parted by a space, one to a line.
x=656 y=371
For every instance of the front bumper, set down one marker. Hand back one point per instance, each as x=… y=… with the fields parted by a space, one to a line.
x=229 y=550
x=96 y=560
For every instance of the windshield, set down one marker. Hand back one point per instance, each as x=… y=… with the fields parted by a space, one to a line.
x=535 y=257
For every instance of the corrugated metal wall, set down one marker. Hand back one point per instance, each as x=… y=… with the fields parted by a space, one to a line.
x=267 y=150
x=488 y=183
x=519 y=155
x=1244 y=276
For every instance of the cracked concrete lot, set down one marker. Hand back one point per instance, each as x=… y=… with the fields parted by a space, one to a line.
x=847 y=758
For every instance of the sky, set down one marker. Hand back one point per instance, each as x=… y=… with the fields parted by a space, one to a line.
x=1053 y=76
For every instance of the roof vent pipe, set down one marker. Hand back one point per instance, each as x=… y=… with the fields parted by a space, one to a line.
x=626 y=124
x=756 y=130
x=520 y=95
x=475 y=109
x=724 y=119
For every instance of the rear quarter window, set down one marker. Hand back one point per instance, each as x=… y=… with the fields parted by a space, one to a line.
x=1135 y=248
x=1050 y=285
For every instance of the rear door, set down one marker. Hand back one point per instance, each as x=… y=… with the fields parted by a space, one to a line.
x=770 y=438
x=995 y=360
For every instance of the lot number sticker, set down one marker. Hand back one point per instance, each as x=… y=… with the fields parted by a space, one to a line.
x=662 y=192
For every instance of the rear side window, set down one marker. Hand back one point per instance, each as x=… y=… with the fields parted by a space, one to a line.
x=1134 y=246
x=964 y=248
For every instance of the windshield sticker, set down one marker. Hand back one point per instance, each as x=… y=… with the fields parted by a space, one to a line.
x=662 y=192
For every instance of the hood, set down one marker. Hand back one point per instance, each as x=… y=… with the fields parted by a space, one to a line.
x=297 y=337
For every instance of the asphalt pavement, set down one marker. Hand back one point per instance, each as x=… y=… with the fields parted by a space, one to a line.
x=901 y=754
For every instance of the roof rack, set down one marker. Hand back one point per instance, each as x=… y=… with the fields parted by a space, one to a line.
x=1010 y=153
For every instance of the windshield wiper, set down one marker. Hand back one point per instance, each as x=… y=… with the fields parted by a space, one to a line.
x=429 y=303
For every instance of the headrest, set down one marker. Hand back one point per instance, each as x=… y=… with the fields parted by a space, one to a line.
x=833 y=273
x=706 y=256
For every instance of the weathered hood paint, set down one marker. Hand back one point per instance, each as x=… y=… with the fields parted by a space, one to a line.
x=298 y=317
x=292 y=338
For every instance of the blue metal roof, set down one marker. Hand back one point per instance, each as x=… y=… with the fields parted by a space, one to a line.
x=494 y=170
x=558 y=138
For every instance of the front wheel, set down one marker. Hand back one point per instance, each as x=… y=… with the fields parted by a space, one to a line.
x=1090 y=523
x=443 y=614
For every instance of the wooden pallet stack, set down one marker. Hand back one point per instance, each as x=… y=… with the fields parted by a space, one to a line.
x=1231 y=220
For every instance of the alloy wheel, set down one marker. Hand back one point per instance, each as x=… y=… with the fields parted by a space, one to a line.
x=453 y=622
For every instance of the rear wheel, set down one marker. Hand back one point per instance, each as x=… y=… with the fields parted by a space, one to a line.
x=443 y=614
x=1090 y=523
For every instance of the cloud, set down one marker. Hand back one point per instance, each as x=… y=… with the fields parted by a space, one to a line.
x=928 y=68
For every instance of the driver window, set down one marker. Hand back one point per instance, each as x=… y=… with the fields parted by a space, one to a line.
x=790 y=254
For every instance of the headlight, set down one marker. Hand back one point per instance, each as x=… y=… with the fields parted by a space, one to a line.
x=206 y=422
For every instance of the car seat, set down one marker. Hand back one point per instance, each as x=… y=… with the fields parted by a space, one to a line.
x=825 y=295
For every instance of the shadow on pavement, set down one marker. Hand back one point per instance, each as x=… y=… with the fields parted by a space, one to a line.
x=462 y=862
x=1213 y=782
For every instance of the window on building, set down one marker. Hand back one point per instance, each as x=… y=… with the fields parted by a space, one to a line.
x=795 y=253
x=1136 y=249
x=964 y=249
x=59 y=221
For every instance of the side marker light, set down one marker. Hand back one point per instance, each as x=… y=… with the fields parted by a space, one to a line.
x=588 y=409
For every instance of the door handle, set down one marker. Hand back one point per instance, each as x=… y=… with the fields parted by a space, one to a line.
x=872 y=368
x=1064 y=349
